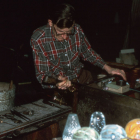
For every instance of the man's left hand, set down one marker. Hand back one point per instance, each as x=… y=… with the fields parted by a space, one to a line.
x=115 y=71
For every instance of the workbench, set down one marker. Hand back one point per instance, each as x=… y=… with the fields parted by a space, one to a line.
x=44 y=124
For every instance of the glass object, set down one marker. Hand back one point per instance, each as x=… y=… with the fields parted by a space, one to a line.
x=85 y=133
x=97 y=121
x=133 y=129
x=113 y=132
x=72 y=124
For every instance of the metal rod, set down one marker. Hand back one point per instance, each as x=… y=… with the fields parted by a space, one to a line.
x=1 y=121
x=134 y=90
x=14 y=112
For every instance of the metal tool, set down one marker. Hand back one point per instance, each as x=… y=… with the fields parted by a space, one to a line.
x=75 y=85
x=51 y=104
x=27 y=111
x=11 y=117
x=39 y=105
x=14 y=112
x=134 y=90
x=59 y=99
x=1 y=121
x=30 y=113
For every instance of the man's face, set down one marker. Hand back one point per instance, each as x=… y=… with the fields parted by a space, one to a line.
x=61 y=34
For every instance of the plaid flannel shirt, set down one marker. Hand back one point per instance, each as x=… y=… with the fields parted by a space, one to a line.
x=54 y=58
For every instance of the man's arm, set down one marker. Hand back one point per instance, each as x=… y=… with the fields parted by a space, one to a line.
x=43 y=66
x=88 y=54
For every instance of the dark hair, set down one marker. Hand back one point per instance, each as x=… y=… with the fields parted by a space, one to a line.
x=63 y=15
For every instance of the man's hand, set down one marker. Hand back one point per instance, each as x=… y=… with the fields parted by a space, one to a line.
x=114 y=71
x=64 y=84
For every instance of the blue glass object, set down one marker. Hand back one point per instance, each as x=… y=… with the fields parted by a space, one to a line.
x=72 y=124
x=97 y=121
x=113 y=132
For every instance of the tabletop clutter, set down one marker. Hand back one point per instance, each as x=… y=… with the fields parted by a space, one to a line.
x=99 y=130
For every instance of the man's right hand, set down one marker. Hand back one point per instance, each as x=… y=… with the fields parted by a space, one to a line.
x=64 y=84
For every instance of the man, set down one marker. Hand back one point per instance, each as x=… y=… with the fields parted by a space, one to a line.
x=58 y=46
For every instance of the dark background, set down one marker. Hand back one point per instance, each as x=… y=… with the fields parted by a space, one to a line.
x=19 y=18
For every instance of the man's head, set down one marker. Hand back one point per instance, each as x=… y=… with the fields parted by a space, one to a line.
x=62 y=15
x=62 y=19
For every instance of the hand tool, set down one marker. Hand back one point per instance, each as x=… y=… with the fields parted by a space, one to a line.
x=11 y=117
x=6 y=122
x=14 y=112
x=51 y=104
x=39 y=105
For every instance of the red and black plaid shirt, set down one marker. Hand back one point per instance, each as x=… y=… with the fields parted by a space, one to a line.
x=54 y=58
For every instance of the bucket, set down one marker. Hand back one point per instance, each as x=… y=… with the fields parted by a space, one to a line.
x=7 y=96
